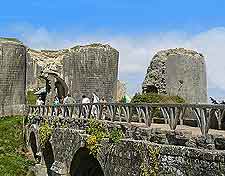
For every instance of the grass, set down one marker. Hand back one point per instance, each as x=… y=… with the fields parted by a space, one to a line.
x=12 y=161
x=10 y=39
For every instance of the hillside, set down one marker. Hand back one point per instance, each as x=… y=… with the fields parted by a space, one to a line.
x=12 y=156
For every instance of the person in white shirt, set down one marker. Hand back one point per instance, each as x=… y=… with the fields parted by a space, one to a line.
x=94 y=110
x=85 y=100
x=39 y=101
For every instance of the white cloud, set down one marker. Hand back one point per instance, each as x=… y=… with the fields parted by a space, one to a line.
x=136 y=51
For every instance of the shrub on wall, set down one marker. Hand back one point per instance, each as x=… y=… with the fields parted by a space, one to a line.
x=45 y=132
x=31 y=98
x=156 y=98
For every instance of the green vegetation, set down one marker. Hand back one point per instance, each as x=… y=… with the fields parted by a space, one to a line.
x=31 y=98
x=97 y=132
x=75 y=47
x=156 y=98
x=45 y=132
x=90 y=45
x=115 y=135
x=95 y=44
x=154 y=152
x=10 y=39
x=12 y=151
x=153 y=168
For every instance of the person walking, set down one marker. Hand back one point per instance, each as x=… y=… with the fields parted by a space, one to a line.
x=39 y=101
x=85 y=100
x=94 y=110
x=104 y=107
x=68 y=101
x=55 y=106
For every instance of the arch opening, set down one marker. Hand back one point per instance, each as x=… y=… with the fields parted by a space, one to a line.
x=54 y=85
x=223 y=123
x=33 y=144
x=150 y=89
x=214 y=122
x=84 y=164
x=48 y=157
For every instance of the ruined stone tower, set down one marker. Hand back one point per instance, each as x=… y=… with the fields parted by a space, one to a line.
x=92 y=68
x=178 y=72
x=12 y=75
x=85 y=69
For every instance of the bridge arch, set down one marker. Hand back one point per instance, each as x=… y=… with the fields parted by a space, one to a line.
x=48 y=156
x=83 y=163
x=33 y=145
x=223 y=123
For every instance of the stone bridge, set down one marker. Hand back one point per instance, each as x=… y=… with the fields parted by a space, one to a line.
x=146 y=148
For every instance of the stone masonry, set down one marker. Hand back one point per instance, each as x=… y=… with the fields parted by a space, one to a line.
x=12 y=76
x=141 y=152
x=85 y=69
x=179 y=72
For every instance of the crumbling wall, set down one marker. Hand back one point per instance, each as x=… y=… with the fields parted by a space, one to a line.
x=121 y=90
x=179 y=72
x=91 y=68
x=135 y=157
x=12 y=76
x=85 y=69
x=131 y=157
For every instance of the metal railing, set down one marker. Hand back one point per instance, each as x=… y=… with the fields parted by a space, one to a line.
x=141 y=113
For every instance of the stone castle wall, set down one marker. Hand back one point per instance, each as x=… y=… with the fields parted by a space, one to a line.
x=133 y=157
x=92 y=69
x=12 y=76
x=179 y=72
x=85 y=69
x=192 y=72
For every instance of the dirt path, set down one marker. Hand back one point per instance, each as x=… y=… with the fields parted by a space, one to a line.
x=195 y=131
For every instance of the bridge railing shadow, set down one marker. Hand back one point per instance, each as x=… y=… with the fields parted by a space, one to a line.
x=173 y=114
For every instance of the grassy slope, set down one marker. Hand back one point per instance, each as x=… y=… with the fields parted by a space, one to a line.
x=12 y=162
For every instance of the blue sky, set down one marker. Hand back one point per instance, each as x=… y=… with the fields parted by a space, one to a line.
x=137 y=29
x=116 y=16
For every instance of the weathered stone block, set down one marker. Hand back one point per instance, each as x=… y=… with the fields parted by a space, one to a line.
x=12 y=76
x=178 y=72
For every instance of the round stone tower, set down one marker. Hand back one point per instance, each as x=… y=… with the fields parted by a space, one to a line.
x=179 y=72
x=91 y=68
x=12 y=76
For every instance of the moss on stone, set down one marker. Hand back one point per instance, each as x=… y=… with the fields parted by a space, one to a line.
x=45 y=132
x=5 y=39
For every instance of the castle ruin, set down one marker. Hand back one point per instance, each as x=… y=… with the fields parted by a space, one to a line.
x=84 y=69
x=179 y=72
x=12 y=76
x=80 y=70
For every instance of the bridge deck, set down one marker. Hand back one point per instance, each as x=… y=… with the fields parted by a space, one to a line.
x=195 y=131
